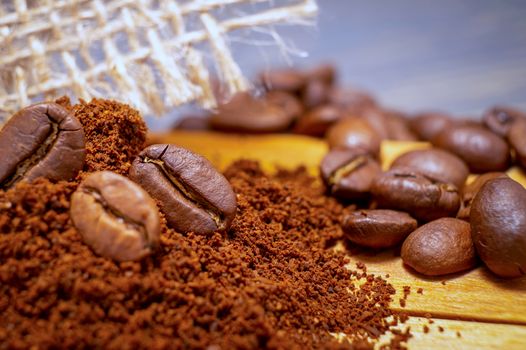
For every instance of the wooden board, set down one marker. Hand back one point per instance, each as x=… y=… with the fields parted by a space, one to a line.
x=489 y=312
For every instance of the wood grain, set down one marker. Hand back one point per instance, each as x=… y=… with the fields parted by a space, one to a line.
x=489 y=312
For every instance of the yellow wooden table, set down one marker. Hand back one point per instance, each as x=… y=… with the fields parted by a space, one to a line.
x=487 y=312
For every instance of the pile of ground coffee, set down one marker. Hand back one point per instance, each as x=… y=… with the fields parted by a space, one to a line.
x=271 y=281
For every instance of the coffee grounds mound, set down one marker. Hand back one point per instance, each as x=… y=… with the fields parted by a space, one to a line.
x=115 y=133
x=270 y=282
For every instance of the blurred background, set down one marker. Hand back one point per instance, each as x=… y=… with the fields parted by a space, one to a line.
x=460 y=56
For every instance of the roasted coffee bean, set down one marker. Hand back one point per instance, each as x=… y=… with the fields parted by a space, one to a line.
x=398 y=126
x=44 y=140
x=428 y=125
x=423 y=197
x=435 y=163
x=500 y=120
x=517 y=140
x=193 y=196
x=352 y=101
x=377 y=120
x=440 y=247
x=354 y=133
x=469 y=191
x=290 y=105
x=378 y=228
x=482 y=150
x=498 y=225
x=115 y=217
x=315 y=93
x=193 y=123
x=349 y=173
x=325 y=72
x=317 y=121
x=288 y=79
x=246 y=114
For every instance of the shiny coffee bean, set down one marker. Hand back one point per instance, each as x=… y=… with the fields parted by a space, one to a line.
x=315 y=93
x=115 y=217
x=352 y=101
x=45 y=140
x=193 y=196
x=428 y=125
x=288 y=79
x=349 y=173
x=288 y=103
x=317 y=121
x=354 y=133
x=501 y=119
x=498 y=224
x=440 y=247
x=398 y=126
x=422 y=197
x=377 y=120
x=378 y=228
x=482 y=150
x=469 y=191
x=326 y=73
x=517 y=140
x=246 y=114
x=435 y=163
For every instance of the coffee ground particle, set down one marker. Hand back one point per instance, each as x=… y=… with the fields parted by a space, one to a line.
x=459 y=335
x=440 y=329
x=271 y=281
x=420 y=291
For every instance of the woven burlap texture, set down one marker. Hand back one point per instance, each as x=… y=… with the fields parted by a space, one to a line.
x=150 y=53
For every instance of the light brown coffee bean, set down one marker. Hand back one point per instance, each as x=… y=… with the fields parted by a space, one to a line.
x=498 y=224
x=440 y=247
x=115 y=217
x=378 y=228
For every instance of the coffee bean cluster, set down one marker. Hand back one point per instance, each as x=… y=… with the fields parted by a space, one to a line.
x=117 y=216
x=422 y=200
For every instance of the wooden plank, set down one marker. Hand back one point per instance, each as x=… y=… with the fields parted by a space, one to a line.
x=473 y=335
x=475 y=295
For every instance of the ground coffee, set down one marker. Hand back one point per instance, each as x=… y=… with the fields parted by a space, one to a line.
x=269 y=281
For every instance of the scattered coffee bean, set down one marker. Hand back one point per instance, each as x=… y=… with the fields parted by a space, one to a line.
x=517 y=140
x=377 y=120
x=469 y=191
x=45 y=140
x=482 y=150
x=398 y=126
x=246 y=114
x=315 y=93
x=317 y=121
x=428 y=125
x=498 y=224
x=501 y=119
x=115 y=217
x=354 y=133
x=325 y=72
x=352 y=101
x=192 y=194
x=378 y=228
x=288 y=79
x=290 y=105
x=421 y=196
x=435 y=163
x=349 y=173
x=440 y=247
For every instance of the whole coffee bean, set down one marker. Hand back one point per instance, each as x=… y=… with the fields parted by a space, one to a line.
x=378 y=228
x=325 y=72
x=435 y=163
x=440 y=247
x=498 y=225
x=193 y=123
x=317 y=121
x=501 y=119
x=377 y=120
x=290 y=105
x=193 y=196
x=315 y=93
x=517 y=140
x=482 y=150
x=349 y=173
x=423 y=197
x=45 y=140
x=246 y=114
x=354 y=133
x=398 y=126
x=288 y=79
x=428 y=125
x=115 y=217
x=352 y=101
x=469 y=191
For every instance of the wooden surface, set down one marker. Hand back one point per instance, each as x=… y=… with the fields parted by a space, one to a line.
x=489 y=312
